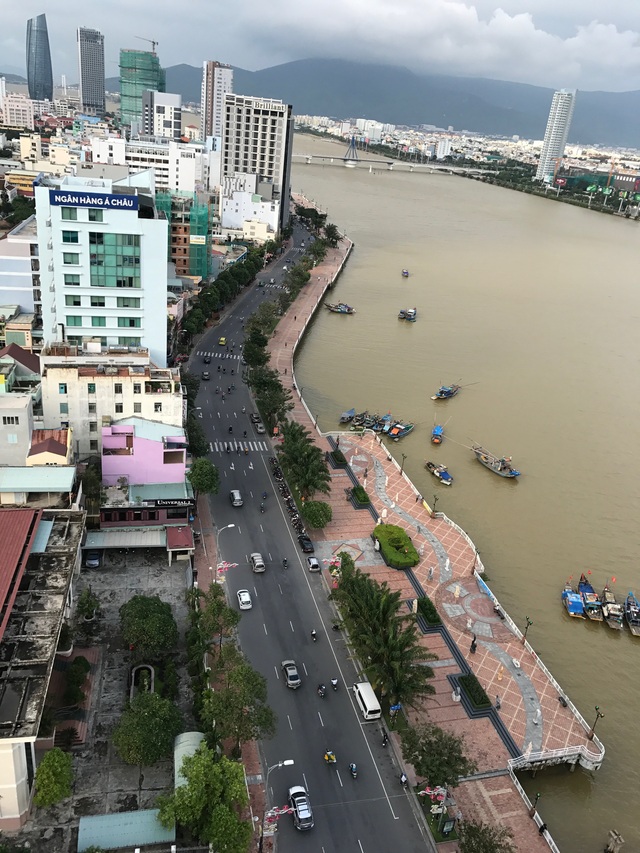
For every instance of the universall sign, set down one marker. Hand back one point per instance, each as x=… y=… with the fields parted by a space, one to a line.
x=69 y=198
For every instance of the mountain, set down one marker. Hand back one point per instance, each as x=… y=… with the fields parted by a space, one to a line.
x=13 y=78
x=396 y=95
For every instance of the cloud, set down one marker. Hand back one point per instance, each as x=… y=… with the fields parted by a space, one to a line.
x=588 y=44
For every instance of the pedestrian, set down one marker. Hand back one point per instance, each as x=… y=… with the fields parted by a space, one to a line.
x=418 y=498
x=285 y=371
x=295 y=317
x=498 y=703
x=543 y=829
x=430 y=573
x=285 y=343
x=474 y=645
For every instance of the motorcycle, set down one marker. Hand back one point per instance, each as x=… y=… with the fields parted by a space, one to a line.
x=322 y=691
x=314 y=635
x=285 y=563
x=354 y=771
x=261 y=507
x=404 y=781
x=334 y=683
x=329 y=757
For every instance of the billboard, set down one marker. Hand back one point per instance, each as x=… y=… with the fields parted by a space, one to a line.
x=197 y=240
x=83 y=198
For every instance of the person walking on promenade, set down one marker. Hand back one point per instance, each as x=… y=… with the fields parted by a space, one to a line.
x=474 y=645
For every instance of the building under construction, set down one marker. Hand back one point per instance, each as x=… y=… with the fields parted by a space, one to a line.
x=189 y=239
x=139 y=70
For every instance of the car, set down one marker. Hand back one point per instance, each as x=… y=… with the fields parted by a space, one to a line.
x=313 y=565
x=306 y=544
x=290 y=671
x=261 y=284
x=272 y=281
x=257 y=563
x=260 y=429
x=254 y=418
x=222 y=342
x=235 y=497
x=206 y=376
x=93 y=559
x=244 y=599
x=207 y=359
x=301 y=808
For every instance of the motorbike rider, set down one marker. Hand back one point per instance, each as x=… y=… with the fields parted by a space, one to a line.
x=329 y=757
x=334 y=683
x=285 y=563
x=353 y=770
x=314 y=635
x=322 y=690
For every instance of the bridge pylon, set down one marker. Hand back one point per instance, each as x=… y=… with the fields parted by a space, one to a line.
x=351 y=157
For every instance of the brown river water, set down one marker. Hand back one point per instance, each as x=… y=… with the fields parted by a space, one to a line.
x=534 y=306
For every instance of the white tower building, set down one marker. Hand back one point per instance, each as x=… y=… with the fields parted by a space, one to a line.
x=555 y=136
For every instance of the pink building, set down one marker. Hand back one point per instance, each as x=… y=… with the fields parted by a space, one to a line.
x=143 y=452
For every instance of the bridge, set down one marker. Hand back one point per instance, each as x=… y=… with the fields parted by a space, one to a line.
x=352 y=162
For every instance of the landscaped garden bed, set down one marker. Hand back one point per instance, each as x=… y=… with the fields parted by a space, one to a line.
x=396 y=547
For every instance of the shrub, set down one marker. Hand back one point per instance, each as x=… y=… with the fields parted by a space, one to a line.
x=66 y=638
x=339 y=459
x=170 y=679
x=475 y=691
x=317 y=514
x=427 y=609
x=396 y=547
x=360 y=495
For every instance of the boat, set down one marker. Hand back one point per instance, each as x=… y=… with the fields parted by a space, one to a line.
x=445 y=392
x=632 y=614
x=592 y=605
x=347 y=417
x=611 y=610
x=500 y=465
x=340 y=308
x=399 y=430
x=382 y=422
x=572 y=600
x=405 y=273
x=439 y=471
x=437 y=434
x=409 y=314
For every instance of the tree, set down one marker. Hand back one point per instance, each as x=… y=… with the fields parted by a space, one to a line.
x=216 y=618
x=91 y=482
x=54 y=777
x=192 y=386
x=304 y=461
x=331 y=234
x=317 y=514
x=476 y=837
x=197 y=440
x=148 y=627
x=210 y=802
x=204 y=477
x=436 y=755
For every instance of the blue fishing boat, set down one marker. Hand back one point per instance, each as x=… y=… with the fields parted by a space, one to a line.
x=347 y=417
x=409 y=314
x=437 y=434
x=500 y=465
x=340 y=308
x=572 y=600
x=439 y=471
x=592 y=604
x=611 y=610
x=405 y=273
x=445 y=392
x=381 y=423
x=632 y=614
x=399 y=430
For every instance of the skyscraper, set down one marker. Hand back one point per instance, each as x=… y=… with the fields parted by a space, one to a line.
x=91 y=68
x=161 y=114
x=139 y=70
x=217 y=81
x=555 y=136
x=39 y=74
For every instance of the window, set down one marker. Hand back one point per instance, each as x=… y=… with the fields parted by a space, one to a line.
x=10 y=420
x=73 y=301
x=129 y=322
x=70 y=258
x=62 y=388
x=96 y=215
x=137 y=388
x=93 y=444
x=117 y=388
x=12 y=438
x=98 y=321
x=69 y=236
x=92 y=408
x=96 y=239
x=152 y=515
x=91 y=388
x=119 y=408
x=64 y=408
x=157 y=408
x=72 y=280
x=97 y=301
x=137 y=408
x=72 y=320
x=128 y=342
x=128 y=301
x=93 y=426
x=69 y=213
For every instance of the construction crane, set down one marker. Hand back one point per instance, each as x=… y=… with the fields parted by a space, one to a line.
x=151 y=42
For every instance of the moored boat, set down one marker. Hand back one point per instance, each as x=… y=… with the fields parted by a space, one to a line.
x=592 y=604
x=572 y=601
x=439 y=471
x=611 y=610
x=437 y=434
x=445 y=392
x=399 y=430
x=340 y=308
x=632 y=614
x=500 y=465
x=405 y=273
x=382 y=422
x=347 y=417
x=409 y=314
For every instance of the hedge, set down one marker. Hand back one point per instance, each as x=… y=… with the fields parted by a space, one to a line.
x=338 y=458
x=475 y=691
x=427 y=609
x=396 y=547
x=360 y=495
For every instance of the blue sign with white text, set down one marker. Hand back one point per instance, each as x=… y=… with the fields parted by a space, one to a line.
x=75 y=198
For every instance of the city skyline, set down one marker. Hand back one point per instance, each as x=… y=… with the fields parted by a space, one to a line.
x=586 y=45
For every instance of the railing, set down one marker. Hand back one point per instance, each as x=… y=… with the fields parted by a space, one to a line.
x=547 y=837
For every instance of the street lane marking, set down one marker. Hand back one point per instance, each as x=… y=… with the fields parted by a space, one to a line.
x=280 y=588
x=293 y=630
x=289 y=719
x=339 y=777
x=320 y=718
x=276 y=671
x=265 y=629
x=360 y=846
x=304 y=666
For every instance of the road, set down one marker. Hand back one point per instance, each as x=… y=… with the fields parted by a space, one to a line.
x=372 y=812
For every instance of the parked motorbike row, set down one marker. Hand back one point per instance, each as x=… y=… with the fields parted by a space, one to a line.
x=290 y=504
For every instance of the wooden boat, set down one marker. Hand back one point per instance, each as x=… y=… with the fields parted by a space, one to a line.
x=437 y=434
x=381 y=423
x=500 y=465
x=611 y=610
x=409 y=314
x=572 y=601
x=340 y=308
x=632 y=614
x=399 y=430
x=347 y=417
x=445 y=392
x=405 y=273
x=439 y=471
x=592 y=604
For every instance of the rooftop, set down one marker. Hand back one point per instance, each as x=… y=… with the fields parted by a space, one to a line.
x=127 y=537
x=161 y=491
x=22 y=356
x=27 y=229
x=151 y=430
x=51 y=479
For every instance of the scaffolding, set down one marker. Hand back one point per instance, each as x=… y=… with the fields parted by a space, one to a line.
x=199 y=239
x=185 y=209
x=163 y=205
x=139 y=70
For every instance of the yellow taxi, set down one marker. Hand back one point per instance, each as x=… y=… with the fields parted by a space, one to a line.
x=222 y=342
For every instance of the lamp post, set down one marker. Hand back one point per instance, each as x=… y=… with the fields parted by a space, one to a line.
x=286 y=763
x=534 y=806
x=218 y=532
x=435 y=503
x=526 y=628
x=599 y=716
x=404 y=457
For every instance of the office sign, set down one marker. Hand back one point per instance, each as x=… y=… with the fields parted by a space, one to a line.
x=168 y=502
x=197 y=239
x=75 y=198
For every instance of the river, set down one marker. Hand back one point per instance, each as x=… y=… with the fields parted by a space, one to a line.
x=534 y=307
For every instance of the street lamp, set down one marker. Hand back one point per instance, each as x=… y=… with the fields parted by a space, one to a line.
x=404 y=457
x=526 y=628
x=534 y=806
x=599 y=716
x=286 y=763
x=435 y=503
x=218 y=532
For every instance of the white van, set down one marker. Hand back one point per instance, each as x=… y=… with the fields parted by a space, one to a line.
x=235 y=497
x=367 y=701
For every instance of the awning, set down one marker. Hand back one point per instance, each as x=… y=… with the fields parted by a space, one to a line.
x=127 y=537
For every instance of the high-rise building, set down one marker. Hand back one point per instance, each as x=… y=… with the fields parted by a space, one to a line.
x=555 y=136
x=217 y=81
x=39 y=73
x=139 y=70
x=91 y=68
x=161 y=115
x=103 y=245
x=258 y=140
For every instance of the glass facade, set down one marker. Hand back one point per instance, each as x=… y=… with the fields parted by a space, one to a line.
x=91 y=66
x=39 y=73
x=139 y=70
x=114 y=260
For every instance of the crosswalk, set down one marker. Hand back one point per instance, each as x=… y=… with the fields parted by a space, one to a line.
x=251 y=446
x=217 y=354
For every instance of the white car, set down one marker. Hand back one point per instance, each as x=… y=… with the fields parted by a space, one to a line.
x=244 y=599
x=313 y=564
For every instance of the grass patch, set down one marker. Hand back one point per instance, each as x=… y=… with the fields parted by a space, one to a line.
x=427 y=609
x=396 y=546
x=360 y=495
x=475 y=691
x=433 y=820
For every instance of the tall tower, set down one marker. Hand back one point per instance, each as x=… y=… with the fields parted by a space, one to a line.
x=139 y=70
x=217 y=81
x=39 y=73
x=555 y=136
x=91 y=68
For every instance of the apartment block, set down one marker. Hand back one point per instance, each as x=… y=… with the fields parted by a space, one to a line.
x=217 y=81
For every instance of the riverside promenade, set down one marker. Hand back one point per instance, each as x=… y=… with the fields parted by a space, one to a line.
x=532 y=723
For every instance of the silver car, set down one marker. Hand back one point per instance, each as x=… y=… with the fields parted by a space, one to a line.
x=299 y=802
x=290 y=672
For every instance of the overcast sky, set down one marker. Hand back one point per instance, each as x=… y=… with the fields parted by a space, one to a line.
x=587 y=44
